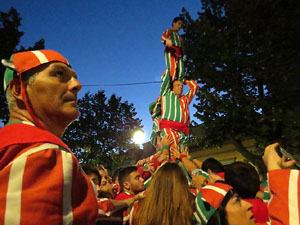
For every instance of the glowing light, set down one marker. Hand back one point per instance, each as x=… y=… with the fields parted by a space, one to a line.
x=138 y=137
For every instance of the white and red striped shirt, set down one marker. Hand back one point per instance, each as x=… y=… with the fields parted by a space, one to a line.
x=41 y=180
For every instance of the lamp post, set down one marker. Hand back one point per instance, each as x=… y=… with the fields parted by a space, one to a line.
x=139 y=137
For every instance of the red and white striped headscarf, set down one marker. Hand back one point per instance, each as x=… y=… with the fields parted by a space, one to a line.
x=23 y=61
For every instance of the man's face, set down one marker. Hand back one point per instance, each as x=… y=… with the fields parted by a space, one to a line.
x=53 y=94
x=94 y=177
x=104 y=177
x=177 y=87
x=199 y=181
x=239 y=212
x=177 y=25
x=136 y=182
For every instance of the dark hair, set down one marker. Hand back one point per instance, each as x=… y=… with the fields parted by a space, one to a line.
x=243 y=178
x=176 y=19
x=88 y=169
x=124 y=174
x=221 y=212
x=116 y=174
x=212 y=164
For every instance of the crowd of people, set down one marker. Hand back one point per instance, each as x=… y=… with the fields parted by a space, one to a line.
x=42 y=181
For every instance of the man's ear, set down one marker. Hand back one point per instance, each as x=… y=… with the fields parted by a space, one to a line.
x=126 y=185
x=15 y=88
x=209 y=171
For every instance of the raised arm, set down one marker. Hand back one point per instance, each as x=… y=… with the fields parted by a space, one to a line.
x=284 y=188
x=193 y=86
x=165 y=38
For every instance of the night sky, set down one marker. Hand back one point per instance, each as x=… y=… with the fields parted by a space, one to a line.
x=107 y=42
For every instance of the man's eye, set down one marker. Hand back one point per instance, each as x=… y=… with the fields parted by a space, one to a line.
x=59 y=73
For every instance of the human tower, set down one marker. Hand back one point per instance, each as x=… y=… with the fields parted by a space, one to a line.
x=170 y=112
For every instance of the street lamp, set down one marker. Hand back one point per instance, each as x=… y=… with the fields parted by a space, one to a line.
x=139 y=137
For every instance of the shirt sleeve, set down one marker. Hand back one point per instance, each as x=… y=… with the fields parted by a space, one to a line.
x=45 y=179
x=105 y=207
x=193 y=86
x=166 y=35
x=284 y=204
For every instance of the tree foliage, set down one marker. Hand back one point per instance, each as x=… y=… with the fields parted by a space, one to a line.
x=10 y=37
x=246 y=59
x=104 y=129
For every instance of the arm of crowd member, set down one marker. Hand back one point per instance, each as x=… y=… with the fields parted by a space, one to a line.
x=156 y=159
x=283 y=183
x=144 y=172
x=183 y=157
x=147 y=166
x=166 y=142
x=165 y=38
x=156 y=111
x=106 y=207
x=193 y=87
x=197 y=162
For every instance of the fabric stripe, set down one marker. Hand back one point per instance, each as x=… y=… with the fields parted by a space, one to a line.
x=67 y=189
x=175 y=109
x=197 y=218
x=41 y=57
x=199 y=210
x=13 y=197
x=219 y=190
x=182 y=111
x=34 y=150
x=102 y=212
x=293 y=198
x=169 y=108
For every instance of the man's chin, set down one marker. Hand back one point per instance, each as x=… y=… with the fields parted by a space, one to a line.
x=72 y=115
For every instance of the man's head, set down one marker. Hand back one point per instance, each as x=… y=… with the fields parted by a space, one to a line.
x=177 y=87
x=93 y=175
x=177 y=23
x=130 y=180
x=212 y=165
x=151 y=107
x=42 y=87
x=244 y=178
x=115 y=176
x=105 y=178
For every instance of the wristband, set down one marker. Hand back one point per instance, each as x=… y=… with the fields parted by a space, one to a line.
x=191 y=158
x=182 y=156
x=166 y=147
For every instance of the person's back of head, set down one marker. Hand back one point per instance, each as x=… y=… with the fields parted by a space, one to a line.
x=168 y=199
x=92 y=173
x=115 y=176
x=213 y=165
x=244 y=178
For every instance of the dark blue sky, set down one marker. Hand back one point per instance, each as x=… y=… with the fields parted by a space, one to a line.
x=106 y=42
